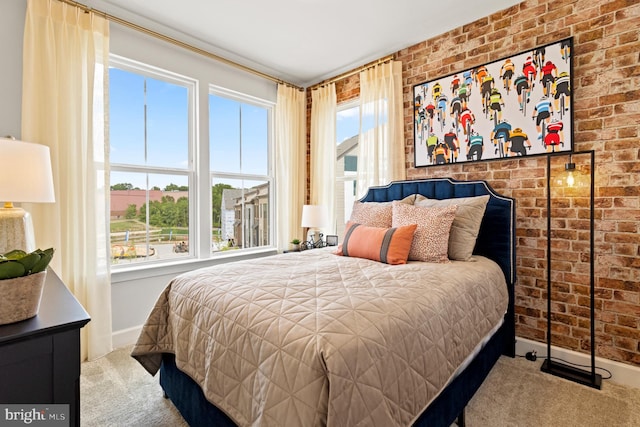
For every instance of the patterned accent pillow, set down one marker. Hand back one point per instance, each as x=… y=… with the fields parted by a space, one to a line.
x=375 y=214
x=387 y=245
x=431 y=240
x=466 y=225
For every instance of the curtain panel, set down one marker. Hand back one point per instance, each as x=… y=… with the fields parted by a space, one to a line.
x=291 y=157
x=323 y=151
x=64 y=99
x=381 y=156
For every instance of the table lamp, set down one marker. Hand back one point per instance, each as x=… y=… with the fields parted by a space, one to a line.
x=25 y=176
x=313 y=218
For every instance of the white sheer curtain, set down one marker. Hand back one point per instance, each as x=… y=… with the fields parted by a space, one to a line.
x=291 y=158
x=64 y=99
x=323 y=151
x=381 y=156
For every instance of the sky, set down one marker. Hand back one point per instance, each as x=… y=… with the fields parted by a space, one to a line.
x=167 y=130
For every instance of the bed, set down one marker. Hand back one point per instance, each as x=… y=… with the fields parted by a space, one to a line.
x=353 y=341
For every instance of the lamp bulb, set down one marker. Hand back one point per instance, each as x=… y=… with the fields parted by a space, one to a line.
x=570 y=180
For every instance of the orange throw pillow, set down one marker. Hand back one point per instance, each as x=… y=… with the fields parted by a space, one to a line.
x=387 y=245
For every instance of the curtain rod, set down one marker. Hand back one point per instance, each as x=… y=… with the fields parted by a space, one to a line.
x=177 y=43
x=352 y=72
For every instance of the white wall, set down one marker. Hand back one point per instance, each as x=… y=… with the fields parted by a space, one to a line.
x=11 y=30
x=133 y=292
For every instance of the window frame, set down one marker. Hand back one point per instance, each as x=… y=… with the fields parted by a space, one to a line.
x=269 y=178
x=191 y=84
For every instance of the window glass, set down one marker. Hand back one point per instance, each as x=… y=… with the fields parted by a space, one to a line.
x=243 y=210
x=148 y=120
x=149 y=132
x=241 y=178
x=347 y=128
x=239 y=135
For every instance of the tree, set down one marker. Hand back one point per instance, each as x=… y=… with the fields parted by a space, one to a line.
x=216 y=203
x=175 y=187
x=122 y=186
x=131 y=212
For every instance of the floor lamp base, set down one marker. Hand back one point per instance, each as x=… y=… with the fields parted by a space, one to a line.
x=571 y=373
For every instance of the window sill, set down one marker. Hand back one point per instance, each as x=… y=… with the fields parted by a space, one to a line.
x=177 y=267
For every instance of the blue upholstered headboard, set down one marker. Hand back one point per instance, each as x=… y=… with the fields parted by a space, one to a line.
x=496 y=239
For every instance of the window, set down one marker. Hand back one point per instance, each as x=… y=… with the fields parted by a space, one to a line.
x=151 y=128
x=241 y=177
x=347 y=128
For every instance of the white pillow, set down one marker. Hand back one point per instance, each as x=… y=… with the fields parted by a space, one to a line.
x=466 y=224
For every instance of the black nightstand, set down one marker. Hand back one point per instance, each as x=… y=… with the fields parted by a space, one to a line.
x=40 y=357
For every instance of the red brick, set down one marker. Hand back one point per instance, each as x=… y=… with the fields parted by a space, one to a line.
x=606 y=114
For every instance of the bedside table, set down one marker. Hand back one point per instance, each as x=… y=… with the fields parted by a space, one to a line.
x=40 y=357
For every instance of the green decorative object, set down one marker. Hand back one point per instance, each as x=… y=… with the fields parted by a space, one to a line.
x=18 y=263
x=22 y=277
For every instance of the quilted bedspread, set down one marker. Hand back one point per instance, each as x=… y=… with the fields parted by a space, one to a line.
x=312 y=338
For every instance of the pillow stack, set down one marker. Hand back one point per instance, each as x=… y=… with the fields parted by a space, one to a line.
x=415 y=228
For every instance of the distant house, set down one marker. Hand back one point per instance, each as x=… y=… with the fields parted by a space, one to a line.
x=227 y=213
x=253 y=226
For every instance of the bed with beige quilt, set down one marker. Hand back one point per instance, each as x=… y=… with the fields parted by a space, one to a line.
x=315 y=338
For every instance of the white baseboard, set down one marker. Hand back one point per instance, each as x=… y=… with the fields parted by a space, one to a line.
x=125 y=337
x=621 y=373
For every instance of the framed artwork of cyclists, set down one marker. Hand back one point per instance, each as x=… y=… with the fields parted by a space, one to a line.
x=515 y=106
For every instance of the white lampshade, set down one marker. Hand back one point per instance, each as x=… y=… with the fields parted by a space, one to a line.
x=25 y=172
x=25 y=176
x=314 y=216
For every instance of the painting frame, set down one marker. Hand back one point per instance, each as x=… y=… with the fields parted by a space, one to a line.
x=530 y=109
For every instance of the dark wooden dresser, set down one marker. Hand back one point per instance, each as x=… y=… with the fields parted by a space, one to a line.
x=40 y=357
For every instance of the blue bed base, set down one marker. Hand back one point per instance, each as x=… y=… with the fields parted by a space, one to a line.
x=496 y=241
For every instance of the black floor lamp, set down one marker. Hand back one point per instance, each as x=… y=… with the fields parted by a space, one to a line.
x=573 y=178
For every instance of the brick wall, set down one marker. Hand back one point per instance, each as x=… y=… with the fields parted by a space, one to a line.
x=606 y=108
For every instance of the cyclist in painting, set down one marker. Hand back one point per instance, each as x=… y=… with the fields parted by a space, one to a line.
x=549 y=73
x=562 y=88
x=455 y=84
x=467 y=118
x=456 y=110
x=523 y=89
x=451 y=139
x=432 y=141
x=485 y=89
x=518 y=140
x=501 y=135
x=430 y=109
x=565 y=49
x=506 y=73
x=441 y=153
x=436 y=91
x=475 y=146
x=530 y=72
x=542 y=114
x=554 y=136
x=441 y=106
x=463 y=94
x=467 y=77
x=538 y=56
x=495 y=101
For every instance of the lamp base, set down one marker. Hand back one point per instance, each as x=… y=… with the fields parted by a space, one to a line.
x=571 y=373
x=16 y=230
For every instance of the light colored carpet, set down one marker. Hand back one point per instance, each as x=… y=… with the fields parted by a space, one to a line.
x=117 y=391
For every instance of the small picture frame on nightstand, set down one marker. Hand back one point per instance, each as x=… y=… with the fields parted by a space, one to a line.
x=332 y=240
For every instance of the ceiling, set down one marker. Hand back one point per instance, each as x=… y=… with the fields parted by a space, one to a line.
x=301 y=41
